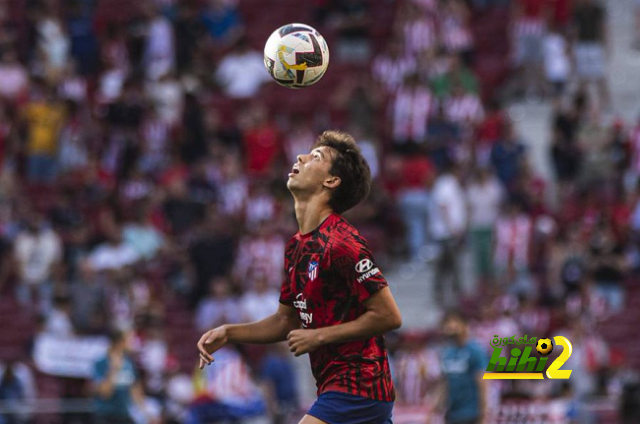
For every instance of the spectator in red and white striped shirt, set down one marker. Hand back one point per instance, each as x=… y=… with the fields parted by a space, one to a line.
x=455 y=30
x=464 y=107
x=411 y=109
x=419 y=29
x=528 y=27
x=391 y=67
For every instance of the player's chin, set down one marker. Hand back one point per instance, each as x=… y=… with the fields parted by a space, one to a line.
x=292 y=184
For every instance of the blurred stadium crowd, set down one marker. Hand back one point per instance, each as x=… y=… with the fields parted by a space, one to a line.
x=143 y=156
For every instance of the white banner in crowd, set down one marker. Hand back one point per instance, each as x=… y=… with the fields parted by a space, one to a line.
x=69 y=357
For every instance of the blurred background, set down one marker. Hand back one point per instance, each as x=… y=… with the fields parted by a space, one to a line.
x=144 y=152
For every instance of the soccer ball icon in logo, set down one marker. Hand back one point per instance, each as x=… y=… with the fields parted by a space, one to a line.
x=296 y=56
x=544 y=347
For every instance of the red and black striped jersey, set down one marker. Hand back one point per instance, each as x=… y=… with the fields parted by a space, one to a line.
x=329 y=274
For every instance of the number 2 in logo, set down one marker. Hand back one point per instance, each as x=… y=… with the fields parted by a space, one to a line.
x=554 y=370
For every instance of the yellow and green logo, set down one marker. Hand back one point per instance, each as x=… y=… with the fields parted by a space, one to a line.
x=523 y=366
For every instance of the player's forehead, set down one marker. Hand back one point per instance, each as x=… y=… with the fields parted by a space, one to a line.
x=325 y=152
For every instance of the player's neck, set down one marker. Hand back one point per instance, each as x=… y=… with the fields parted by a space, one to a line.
x=310 y=213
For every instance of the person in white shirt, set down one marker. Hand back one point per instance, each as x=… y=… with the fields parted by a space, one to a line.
x=113 y=254
x=557 y=64
x=37 y=250
x=241 y=72
x=256 y=303
x=218 y=307
x=159 y=52
x=14 y=78
x=58 y=322
x=484 y=196
x=448 y=222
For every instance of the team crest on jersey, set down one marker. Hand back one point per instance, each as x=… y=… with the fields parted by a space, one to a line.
x=313 y=270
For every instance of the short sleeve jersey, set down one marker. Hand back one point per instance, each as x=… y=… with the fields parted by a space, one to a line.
x=329 y=274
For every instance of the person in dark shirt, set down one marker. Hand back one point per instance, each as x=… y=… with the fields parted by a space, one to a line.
x=116 y=384
x=591 y=45
x=462 y=362
x=608 y=266
x=335 y=304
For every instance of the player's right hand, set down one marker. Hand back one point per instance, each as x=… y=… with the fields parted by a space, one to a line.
x=210 y=342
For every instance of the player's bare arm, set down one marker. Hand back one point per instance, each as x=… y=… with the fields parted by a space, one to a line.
x=272 y=329
x=382 y=316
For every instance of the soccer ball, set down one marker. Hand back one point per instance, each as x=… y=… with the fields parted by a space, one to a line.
x=544 y=347
x=296 y=56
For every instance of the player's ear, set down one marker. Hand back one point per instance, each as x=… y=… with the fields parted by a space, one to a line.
x=332 y=182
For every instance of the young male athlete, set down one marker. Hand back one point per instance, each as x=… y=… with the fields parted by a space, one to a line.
x=334 y=304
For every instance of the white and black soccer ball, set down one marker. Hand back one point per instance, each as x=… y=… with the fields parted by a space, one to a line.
x=296 y=55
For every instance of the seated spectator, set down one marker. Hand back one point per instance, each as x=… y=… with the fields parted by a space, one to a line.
x=223 y=22
x=591 y=46
x=350 y=19
x=73 y=153
x=259 y=255
x=528 y=32
x=53 y=43
x=507 y=156
x=159 y=50
x=241 y=72
x=43 y=117
x=211 y=254
x=391 y=67
x=37 y=250
x=259 y=301
x=84 y=42
x=190 y=33
x=456 y=72
x=455 y=29
x=219 y=307
x=142 y=235
x=14 y=78
x=167 y=96
x=113 y=254
x=262 y=142
x=58 y=322
x=609 y=266
x=418 y=28
x=88 y=295
x=557 y=61
x=17 y=385
x=412 y=108
x=463 y=107
x=181 y=212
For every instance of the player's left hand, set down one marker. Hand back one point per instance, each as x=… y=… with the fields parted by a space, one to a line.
x=304 y=341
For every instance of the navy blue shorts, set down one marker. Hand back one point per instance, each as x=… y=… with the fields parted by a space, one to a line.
x=343 y=408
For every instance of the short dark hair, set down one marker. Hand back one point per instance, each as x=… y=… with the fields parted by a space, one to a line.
x=349 y=165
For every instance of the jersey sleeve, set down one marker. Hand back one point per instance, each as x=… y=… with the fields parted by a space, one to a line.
x=354 y=264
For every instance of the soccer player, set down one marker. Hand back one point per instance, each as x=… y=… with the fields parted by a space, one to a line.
x=335 y=304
